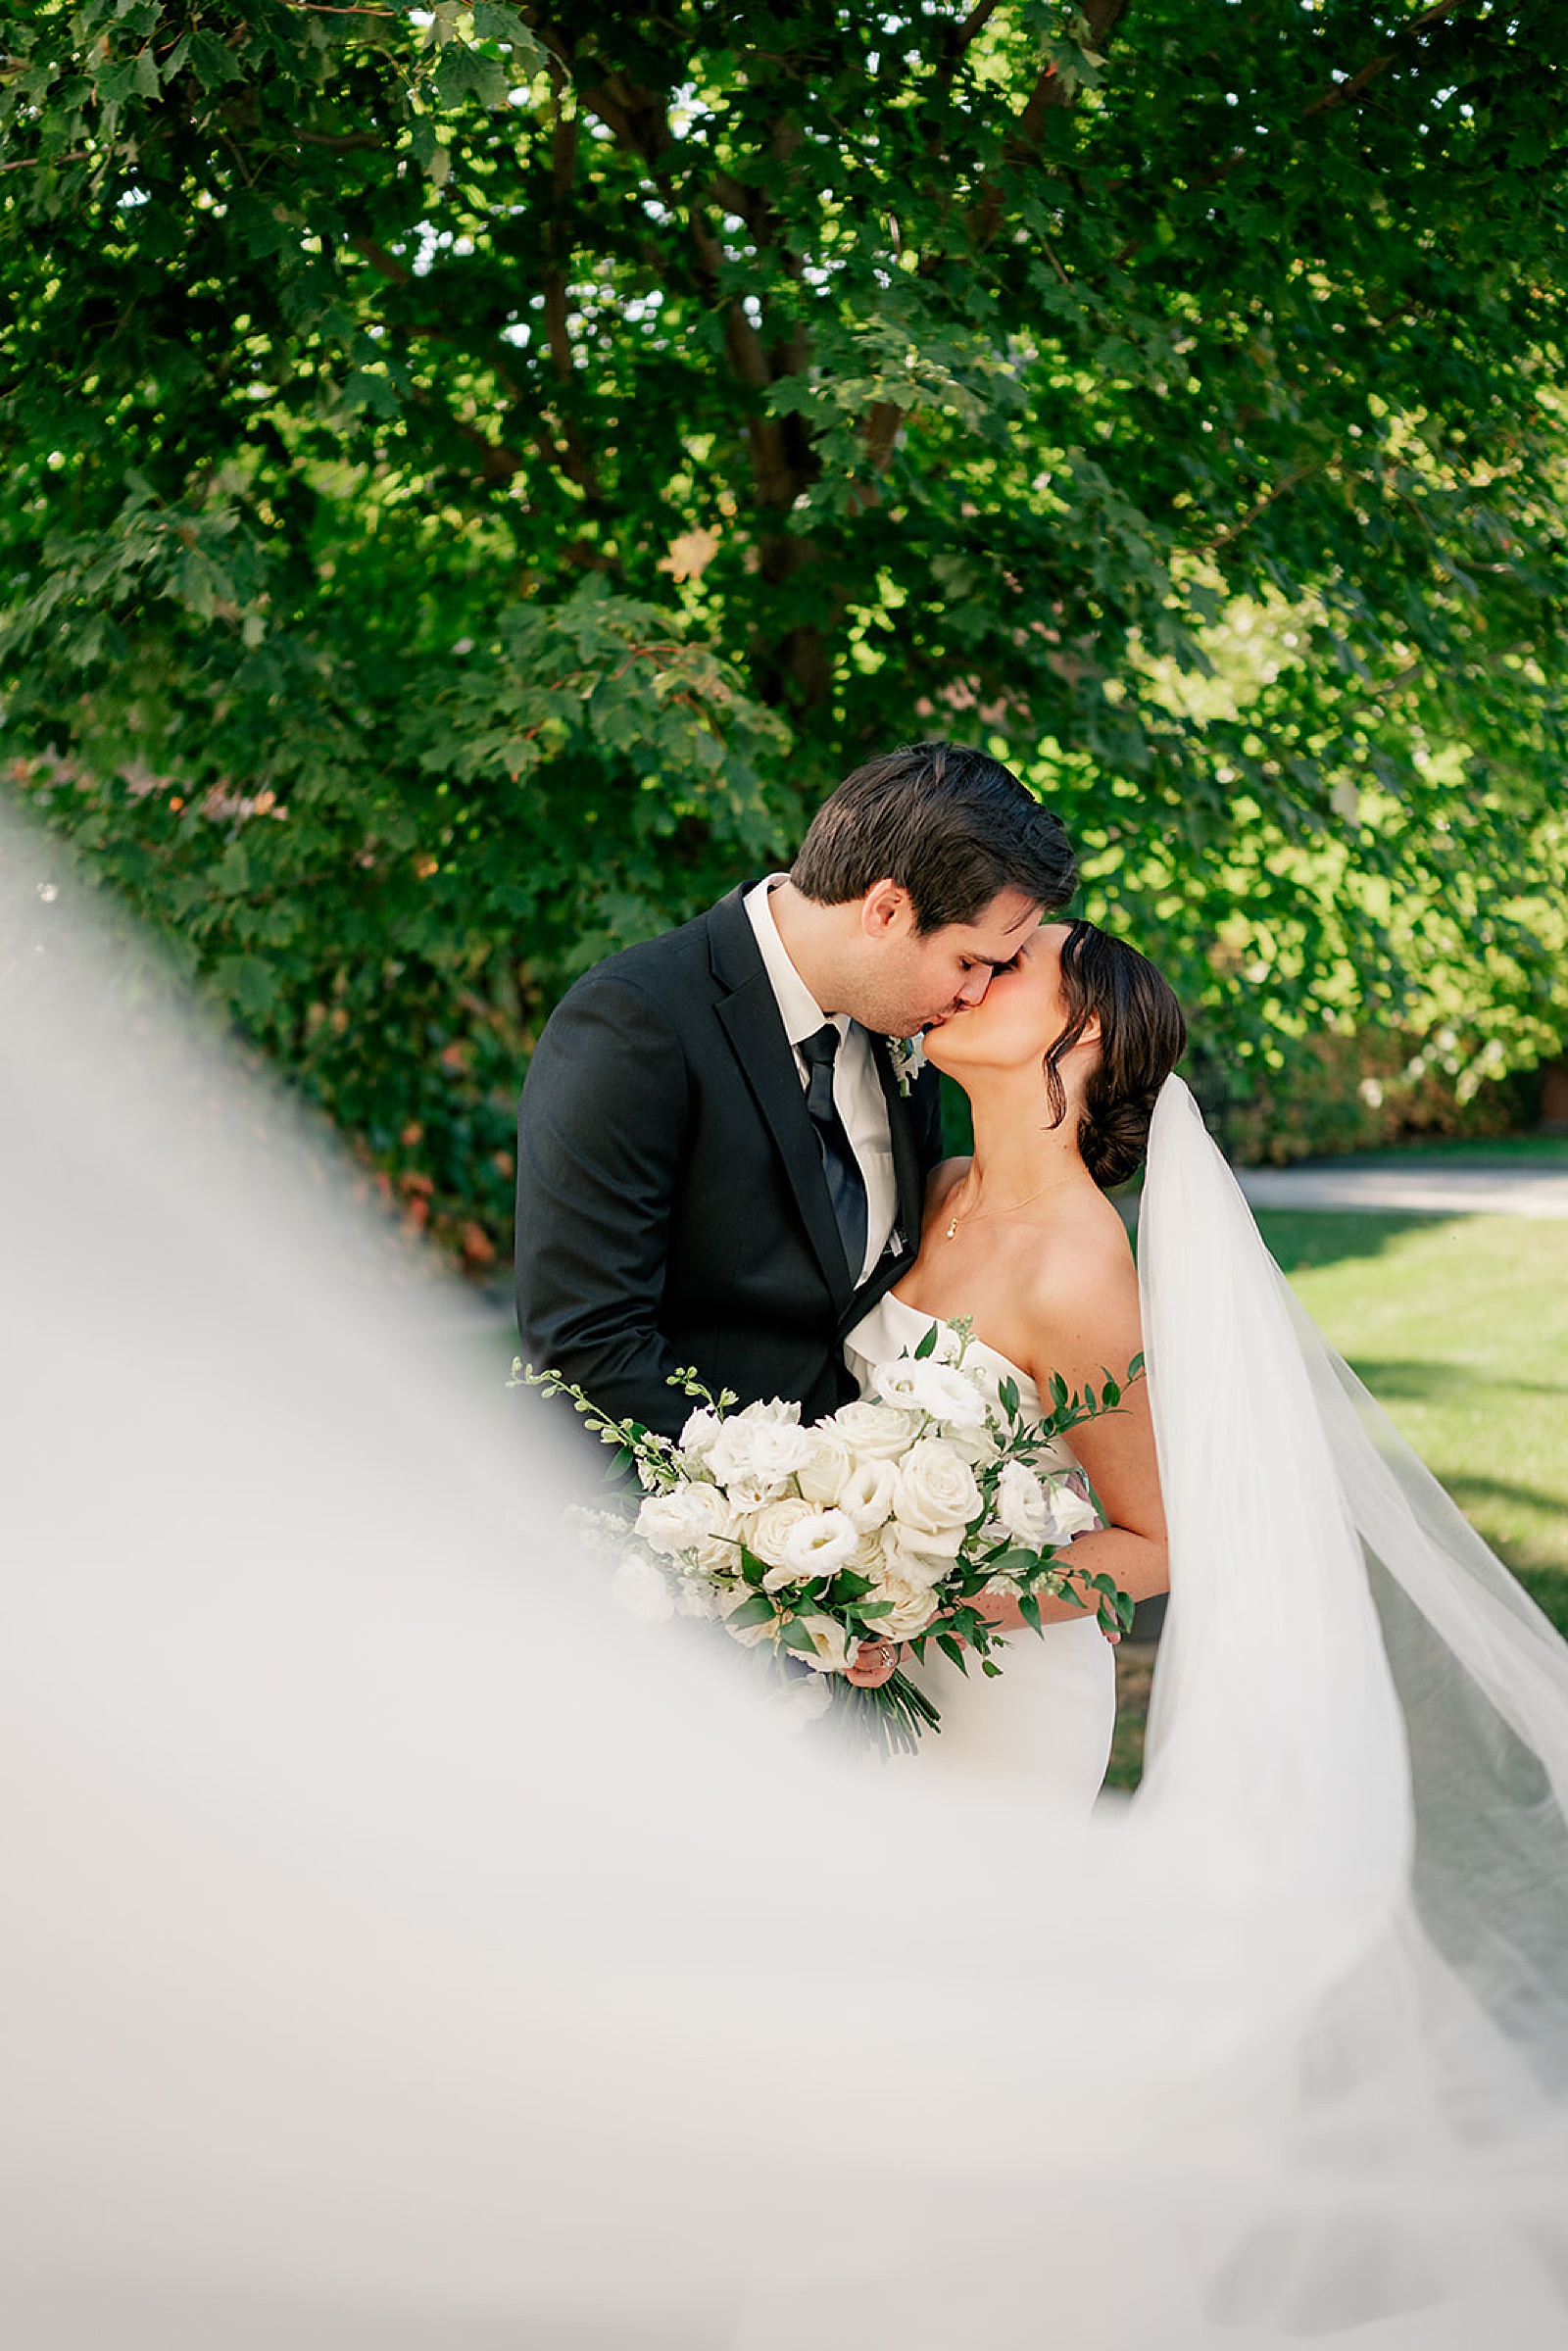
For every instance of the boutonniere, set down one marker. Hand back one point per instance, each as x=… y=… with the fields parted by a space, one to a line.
x=908 y=1054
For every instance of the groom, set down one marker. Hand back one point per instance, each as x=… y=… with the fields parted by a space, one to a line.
x=717 y=1164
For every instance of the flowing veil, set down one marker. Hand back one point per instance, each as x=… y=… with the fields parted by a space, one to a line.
x=1352 y=1682
x=405 y=1952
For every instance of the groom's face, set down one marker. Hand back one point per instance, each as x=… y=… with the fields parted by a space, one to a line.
x=911 y=980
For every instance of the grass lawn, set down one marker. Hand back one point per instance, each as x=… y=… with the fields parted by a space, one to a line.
x=1459 y=1327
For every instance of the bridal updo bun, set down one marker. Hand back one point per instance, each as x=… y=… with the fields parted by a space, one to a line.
x=1143 y=1034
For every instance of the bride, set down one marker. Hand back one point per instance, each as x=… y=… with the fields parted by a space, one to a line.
x=1062 y=1060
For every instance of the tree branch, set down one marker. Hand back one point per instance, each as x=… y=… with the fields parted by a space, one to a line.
x=1281 y=489
x=1345 y=93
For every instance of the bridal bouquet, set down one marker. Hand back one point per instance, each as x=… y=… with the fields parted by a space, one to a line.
x=888 y=1521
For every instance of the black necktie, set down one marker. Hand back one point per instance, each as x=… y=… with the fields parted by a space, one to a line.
x=845 y=1183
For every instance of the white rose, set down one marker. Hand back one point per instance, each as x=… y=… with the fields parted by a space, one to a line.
x=974 y=1445
x=869 y=1556
x=642 y=1591
x=766 y=1532
x=925 y=1552
x=831 y=1463
x=936 y=1487
x=868 y=1495
x=748 y=1636
x=1022 y=1506
x=820 y=1545
x=914 y=1605
x=1072 y=1510
x=873 y=1432
x=830 y=1644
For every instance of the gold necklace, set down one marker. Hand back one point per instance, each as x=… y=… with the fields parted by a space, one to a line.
x=974 y=1215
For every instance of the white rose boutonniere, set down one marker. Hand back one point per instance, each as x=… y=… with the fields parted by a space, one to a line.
x=907 y=1055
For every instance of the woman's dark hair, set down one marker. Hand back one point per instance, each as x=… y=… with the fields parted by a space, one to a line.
x=951 y=826
x=1143 y=1034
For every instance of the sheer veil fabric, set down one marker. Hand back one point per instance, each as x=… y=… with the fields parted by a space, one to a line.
x=405 y=1951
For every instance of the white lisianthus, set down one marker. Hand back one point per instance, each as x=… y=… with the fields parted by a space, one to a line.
x=695 y=1520
x=830 y=1644
x=914 y=1605
x=642 y=1591
x=832 y=1463
x=1072 y=1510
x=873 y=1432
x=762 y=1452
x=808 y=1697
x=939 y=1389
x=696 y=1439
x=820 y=1544
x=936 y=1487
x=1022 y=1508
x=868 y=1495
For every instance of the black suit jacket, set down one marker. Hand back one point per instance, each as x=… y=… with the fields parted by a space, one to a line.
x=672 y=1204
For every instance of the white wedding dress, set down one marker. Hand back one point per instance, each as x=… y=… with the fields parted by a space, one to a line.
x=1046 y=1723
x=404 y=1952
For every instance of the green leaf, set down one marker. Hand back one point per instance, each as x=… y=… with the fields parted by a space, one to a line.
x=794 y=1635
x=115 y=83
x=212 y=64
x=757 y=1610
x=1007 y=1396
x=927 y=1343
x=950 y=1648
x=492 y=23
x=1029 y=1610
x=753 y=1569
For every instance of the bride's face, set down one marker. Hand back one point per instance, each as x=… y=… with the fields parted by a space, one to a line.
x=1022 y=1013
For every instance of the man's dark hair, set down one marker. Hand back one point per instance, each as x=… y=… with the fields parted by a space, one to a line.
x=951 y=825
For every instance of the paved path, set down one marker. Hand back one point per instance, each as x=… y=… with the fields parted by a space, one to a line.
x=1522 y=1191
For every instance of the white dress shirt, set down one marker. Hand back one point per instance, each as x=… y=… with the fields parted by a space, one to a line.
x=857 y=1094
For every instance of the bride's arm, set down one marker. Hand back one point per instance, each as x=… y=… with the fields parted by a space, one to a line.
x=1084 y=1326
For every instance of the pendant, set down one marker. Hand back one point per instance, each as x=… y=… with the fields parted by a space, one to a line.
x=951 y=1229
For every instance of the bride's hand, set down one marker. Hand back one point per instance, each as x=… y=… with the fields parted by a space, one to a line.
x=875 y=1662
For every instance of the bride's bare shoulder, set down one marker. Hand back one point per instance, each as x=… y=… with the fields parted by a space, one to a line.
x=1082 y=1294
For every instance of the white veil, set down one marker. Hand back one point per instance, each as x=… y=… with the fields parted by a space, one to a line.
x=402 y=1952
x=1351 y=1679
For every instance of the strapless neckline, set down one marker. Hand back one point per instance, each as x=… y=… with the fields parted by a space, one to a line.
x=909 y=1325
x=894 y=1328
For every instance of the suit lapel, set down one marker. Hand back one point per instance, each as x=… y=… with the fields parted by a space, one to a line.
x=750 y=1020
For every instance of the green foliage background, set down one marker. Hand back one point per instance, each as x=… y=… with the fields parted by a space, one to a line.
x=478 y=477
